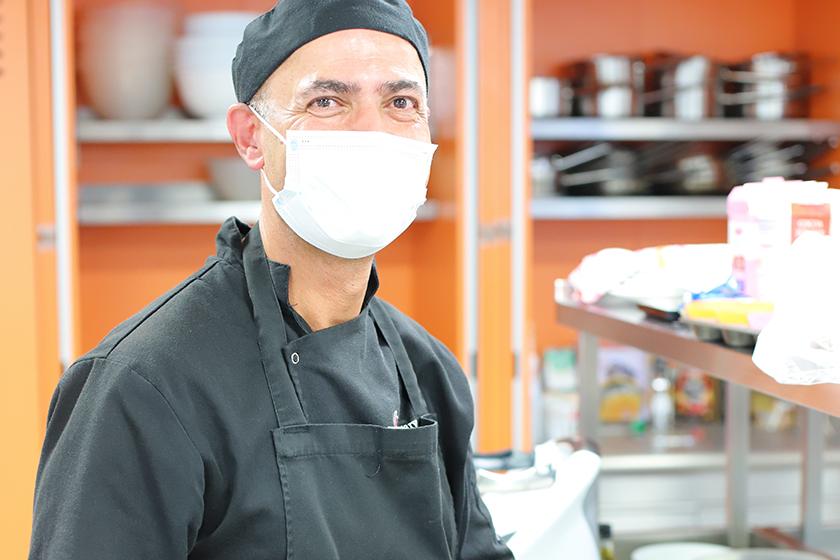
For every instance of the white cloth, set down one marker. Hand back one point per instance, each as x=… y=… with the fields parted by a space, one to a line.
x=801 y=343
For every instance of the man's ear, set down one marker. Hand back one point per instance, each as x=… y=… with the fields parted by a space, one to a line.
x=244 y=130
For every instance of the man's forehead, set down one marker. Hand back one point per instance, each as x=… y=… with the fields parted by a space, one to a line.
x=316 y=84
x=356 y=49
x=360 y=39
x=349 y=61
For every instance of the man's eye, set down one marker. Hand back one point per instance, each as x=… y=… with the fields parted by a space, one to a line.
x=403 y=103
x=323 y=103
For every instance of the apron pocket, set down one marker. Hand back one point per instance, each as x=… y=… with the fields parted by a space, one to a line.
x=354 y=491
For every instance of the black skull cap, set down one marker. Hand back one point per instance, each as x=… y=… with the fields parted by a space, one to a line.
x=271 y=38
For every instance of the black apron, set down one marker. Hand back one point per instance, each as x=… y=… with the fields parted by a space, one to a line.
x=351 y=491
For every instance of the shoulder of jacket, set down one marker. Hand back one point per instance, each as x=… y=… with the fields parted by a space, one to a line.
x=110 y=345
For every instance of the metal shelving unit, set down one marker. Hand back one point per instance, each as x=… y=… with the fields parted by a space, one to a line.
x=176 y=129
x=627 y=207
x=188 y=203
x=735 y=367
x=653 y=129
x=650 y=129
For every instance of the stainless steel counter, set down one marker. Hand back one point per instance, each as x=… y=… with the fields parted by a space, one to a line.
x=733 y=366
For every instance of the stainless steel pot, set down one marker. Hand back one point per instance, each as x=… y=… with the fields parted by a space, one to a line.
x=550 y=97
x=542 y=176
x=686 y=88
x=694 y=169
x=758 y=159
x=611 y=86
x=770 y=86
x=599 y=170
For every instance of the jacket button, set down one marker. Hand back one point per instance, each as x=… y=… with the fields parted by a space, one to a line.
x=295 y=358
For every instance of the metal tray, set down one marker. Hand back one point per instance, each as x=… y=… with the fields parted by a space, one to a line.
x=732 y=335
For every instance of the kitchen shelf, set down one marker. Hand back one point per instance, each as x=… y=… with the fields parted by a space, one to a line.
x=676 y=341
x=168 y=129
x=627 y=207
x=663 y=129
x=187 y=203
x=623 y=451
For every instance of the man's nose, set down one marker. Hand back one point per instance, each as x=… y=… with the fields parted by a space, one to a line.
x=368 y=116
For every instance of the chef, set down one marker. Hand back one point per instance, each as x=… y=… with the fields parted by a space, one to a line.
x=271 y=406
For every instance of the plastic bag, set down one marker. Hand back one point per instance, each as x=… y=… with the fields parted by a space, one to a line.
x=656 y=275
x=801 y=343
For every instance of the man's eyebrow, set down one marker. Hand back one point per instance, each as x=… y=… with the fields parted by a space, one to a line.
x=396 y=86
x=330 y=86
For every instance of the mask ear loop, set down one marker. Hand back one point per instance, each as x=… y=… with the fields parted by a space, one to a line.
x=268 y=183
x=279 y=137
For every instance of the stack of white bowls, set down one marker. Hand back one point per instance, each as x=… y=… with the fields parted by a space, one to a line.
x=203 y=59
x=125 y=58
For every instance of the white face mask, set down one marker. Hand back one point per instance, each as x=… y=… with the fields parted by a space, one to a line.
x=350 y=193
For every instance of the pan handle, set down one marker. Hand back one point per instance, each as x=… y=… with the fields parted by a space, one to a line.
x=747 y=77
x=749 y=97
x=586 y=155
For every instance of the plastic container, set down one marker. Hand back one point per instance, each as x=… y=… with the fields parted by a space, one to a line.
x=765 y=218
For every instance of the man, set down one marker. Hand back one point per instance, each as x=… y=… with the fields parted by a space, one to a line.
x=271 y=406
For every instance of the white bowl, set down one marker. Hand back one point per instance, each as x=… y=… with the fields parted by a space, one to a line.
x=150 y=23
x=131 y=41
x=205 y=93
x=124 y=93
x=129 y=14
x=126 y=85
x=678 y=551
x=231 y=179
x=143 y=60
x=203 y=75
x=218 y=23
x=205 y=52
x=125 y=58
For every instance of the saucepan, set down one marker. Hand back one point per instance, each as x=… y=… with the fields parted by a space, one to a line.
x=550 y=97
x=610 y=86
x=601 y=169
x=684 y=87
x=769 y=86
x=690 y=169
x=758 y=159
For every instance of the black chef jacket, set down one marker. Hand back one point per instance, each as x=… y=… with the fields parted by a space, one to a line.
x=158 y=440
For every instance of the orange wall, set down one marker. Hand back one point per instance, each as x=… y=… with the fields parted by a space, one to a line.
x=568 y=30
x=27 y=358
x=816 y=34
x=437 y=270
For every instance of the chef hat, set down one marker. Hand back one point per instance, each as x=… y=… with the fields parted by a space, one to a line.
x=271 y=38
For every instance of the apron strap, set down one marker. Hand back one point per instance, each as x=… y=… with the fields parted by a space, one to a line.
x=271 y=329
x=404 y=367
